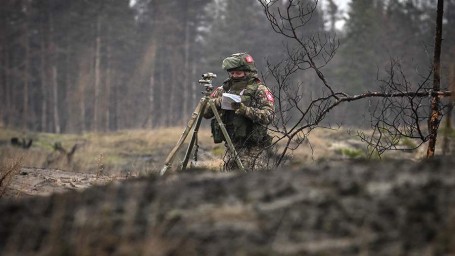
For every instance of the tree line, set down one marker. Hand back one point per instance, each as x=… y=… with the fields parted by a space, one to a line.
x=382 y=35
x=399 y=107
x=77 y=66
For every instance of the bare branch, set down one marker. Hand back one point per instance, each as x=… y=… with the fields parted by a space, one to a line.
x=398 y=109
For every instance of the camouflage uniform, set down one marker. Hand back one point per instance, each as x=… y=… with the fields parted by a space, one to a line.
x=247 y=125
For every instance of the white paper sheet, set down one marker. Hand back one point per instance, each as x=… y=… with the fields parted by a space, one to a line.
x=229 y=98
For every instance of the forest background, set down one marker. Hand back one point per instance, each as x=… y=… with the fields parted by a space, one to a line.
x=105 y=65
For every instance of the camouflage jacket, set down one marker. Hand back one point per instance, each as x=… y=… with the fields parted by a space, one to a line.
x=258 y=104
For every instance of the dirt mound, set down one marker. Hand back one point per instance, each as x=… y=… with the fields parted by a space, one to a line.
x=337 y=208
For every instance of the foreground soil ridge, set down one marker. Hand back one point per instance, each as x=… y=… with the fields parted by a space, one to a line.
x=353 y=207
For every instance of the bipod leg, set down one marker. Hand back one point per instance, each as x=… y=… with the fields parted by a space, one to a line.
x=190 y=124
x=226 y=136
x=194 y=137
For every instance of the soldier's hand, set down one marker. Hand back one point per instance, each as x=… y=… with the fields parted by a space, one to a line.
x=217 y=102
x=245 y=99
x=240 y=108
x=235 y=105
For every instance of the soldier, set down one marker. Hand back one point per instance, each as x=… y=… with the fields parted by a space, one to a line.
x=246 y=122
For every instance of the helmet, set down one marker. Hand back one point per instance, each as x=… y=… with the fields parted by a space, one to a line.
x=240 y=62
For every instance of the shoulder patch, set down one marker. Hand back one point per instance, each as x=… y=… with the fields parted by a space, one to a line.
x=269 y=96
x=266 y=92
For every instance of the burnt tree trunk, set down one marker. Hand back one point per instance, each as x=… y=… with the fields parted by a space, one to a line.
x=435 y=115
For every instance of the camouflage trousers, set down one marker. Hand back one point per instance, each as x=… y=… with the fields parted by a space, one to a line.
x=253 y=158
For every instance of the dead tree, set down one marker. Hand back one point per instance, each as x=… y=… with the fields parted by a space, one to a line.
x=62 y=153
x=400 y=108
x=435 y=116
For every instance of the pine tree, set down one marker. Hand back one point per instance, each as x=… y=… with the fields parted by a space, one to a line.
x=170 y=31
x=332 y=10
x=362 y=49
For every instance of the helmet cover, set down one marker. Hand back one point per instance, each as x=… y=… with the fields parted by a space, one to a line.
x=239 y=62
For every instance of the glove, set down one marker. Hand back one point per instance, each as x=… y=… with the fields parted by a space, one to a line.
x=217 y=102
x=235 y=105
x=243 y=100
x=240 y=108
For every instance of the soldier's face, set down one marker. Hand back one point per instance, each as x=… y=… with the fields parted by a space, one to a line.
x=237 y=74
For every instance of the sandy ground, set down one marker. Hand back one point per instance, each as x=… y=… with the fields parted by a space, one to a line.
x=43 y=182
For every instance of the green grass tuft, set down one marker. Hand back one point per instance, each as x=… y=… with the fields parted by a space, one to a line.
x=352 y=153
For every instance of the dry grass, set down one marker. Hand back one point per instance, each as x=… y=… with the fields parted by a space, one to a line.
x=138 y=152
x=141 y=152
x=122 y=151
x=317 y=146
